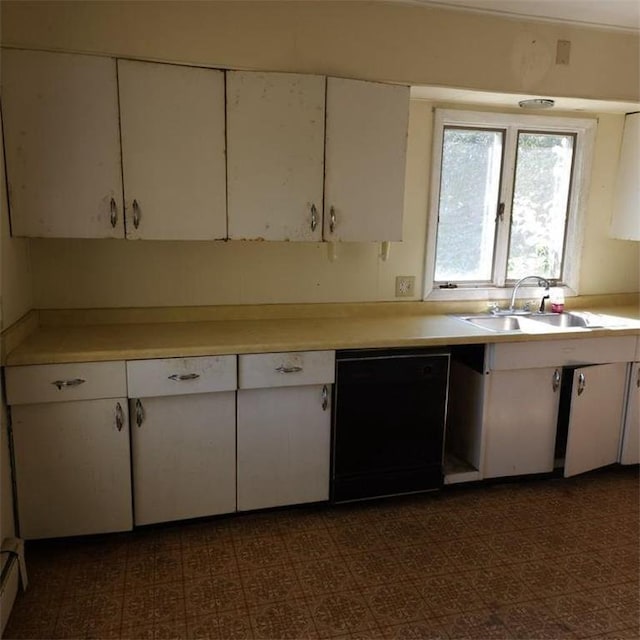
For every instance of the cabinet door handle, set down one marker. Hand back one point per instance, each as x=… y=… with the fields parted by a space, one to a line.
x=638 y=379
x=136 y=214
x=119 y=417
x=332 y=219
x=325 y=397
x=555 y=385
x=62 y=384
x=181 y=377
x=314 y=217
x=283 y=369
x=582 y=383
x=139 y=413
x=114 y=213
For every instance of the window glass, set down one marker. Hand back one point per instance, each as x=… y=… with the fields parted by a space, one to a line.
x=540 y=202
x=469 y=191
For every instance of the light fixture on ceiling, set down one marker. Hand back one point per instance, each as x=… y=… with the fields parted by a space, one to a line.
x=537 y=103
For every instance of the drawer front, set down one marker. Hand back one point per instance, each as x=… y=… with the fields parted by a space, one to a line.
x=34 y=384
x=637 y=357
x=181 y=376
x=287 y=369
x=559 y=353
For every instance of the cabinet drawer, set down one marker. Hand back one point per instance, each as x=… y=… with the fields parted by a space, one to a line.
x=62 y=382
x=181 y=376
x=286 y=369
x=558 y=353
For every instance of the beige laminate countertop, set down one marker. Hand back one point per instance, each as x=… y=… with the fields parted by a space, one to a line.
x=130 y=341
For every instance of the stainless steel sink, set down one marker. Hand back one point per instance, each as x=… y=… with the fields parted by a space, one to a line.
x=523 y=322
x=559 y=319
x=494 y=323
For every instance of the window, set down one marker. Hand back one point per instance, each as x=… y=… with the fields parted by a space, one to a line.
x=507 y=196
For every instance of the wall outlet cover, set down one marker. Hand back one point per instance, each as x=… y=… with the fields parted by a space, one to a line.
x=405 y=286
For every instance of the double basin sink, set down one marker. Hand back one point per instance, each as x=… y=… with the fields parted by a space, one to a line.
x=536 y=322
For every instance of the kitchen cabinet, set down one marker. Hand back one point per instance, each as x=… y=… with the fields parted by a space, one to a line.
x=172 y=121
x=630 y=451
x=70 y=433
x=522 y=404
x=62 y=145
x=284 y=427
x=275 y=131
x=279 y=149
x=625 y=221
x=520 y=421
x=183 y=437
x=365 y=157
x=595 y=421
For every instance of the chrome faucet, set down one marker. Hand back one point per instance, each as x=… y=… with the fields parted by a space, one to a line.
x=541 y=282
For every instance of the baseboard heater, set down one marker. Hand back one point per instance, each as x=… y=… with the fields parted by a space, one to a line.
x=14 y=573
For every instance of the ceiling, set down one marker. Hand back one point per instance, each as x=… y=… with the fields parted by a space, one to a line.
x=609 y=14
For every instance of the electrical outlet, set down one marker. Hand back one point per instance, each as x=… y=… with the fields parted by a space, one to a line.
x=405 y=286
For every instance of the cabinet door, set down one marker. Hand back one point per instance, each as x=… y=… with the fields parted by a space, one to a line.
x=520 y=422
x=631 y=437
x=595 y=421
x=283 y=446
x=72 y=467
x=183 y=455
x=365 y=156
x=173 y=151
x=62 y=145
x=275 y=132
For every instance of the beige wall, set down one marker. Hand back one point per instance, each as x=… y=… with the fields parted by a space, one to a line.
x=368 y=40
x=16 y=285
x=105 y=273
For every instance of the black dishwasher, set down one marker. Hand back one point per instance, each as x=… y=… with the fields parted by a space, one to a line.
x=389 y=414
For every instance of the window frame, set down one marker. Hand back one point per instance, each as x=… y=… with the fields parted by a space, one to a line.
x=500 y=288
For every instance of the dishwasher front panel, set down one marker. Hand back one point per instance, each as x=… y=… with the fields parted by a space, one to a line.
x=389 y=417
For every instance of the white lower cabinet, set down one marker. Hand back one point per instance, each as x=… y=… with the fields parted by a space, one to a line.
x=70 y=431
x=531 y=409
x=597 y=400
x=183 y=437
x=520 y=421
x=630 y=452
x=284 y=429
x=72 y=467
x=183 y=454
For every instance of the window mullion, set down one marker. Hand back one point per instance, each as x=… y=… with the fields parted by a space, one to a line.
x=506 y=200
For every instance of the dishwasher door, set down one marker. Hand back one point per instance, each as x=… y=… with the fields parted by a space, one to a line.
x=388 y=427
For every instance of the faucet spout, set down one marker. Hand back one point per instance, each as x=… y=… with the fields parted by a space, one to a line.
x=542 y=282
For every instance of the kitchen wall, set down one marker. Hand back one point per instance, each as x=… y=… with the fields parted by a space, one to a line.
x=381 y=41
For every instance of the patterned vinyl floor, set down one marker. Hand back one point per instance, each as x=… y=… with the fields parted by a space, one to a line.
x=534 y=559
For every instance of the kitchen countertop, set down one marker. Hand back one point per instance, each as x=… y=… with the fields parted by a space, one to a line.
x=77 y=341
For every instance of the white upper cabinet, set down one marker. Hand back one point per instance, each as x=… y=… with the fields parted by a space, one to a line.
x=365 y=157
x=62 y=145
x=275 y=133
x=173 y=151
x=625 y=221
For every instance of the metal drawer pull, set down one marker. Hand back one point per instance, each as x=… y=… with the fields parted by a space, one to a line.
x=582 y=383
x=314 y=217
x=283 y=369
x=638 y=380
x=119 y=417
x=136 y=214
x=180 y=377
x=555 y=385
x=114 y=213
x=332 y=219
x=325 y=397
x=62 y=384
x=139 y=413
